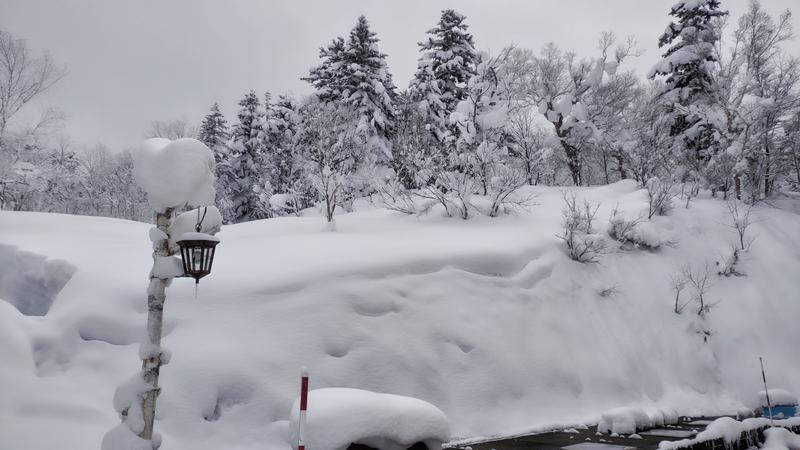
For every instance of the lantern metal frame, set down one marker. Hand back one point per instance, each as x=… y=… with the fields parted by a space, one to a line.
x=197 y=256
x=197 y=252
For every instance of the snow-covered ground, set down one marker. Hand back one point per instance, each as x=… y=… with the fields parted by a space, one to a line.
x=487 y=319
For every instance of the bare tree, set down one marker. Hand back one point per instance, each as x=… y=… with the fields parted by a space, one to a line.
x=559 y=85
x=741 y=221
x=659 y=196
x=172 y=129
x=528 y=141
x=678 y=282
x=22 y=77
x=700 y=283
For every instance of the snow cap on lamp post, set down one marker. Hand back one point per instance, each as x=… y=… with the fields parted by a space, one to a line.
x=197 y=250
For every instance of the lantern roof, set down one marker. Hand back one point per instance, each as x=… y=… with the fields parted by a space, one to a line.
x=195 y=236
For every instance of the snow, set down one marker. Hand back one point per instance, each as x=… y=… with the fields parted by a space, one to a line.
x=729 y=430
x=629 y=419
x=166 y=267
x=338 y=417
x=487 y=319
x=778 y=397
x=780 y=439
x=122 y=438
x=185 y=223
x=195 y=236
x=174 y=173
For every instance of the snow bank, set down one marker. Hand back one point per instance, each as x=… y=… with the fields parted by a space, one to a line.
x=487 y=319
x=729 y=430
x=30 y=281
x=338 y=417
x=173 y=173
x=630 y=419
x=780 y=439
x=778 y=397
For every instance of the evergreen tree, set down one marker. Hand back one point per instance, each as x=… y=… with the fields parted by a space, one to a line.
x=354 y=73
x=280 y=126
x=689 y=83
x=214 y=131
x=215 y=134
x=328 y=77
x=447 y=63
x=247 y=163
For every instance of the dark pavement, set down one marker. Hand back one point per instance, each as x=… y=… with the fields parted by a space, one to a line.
x=588 y=439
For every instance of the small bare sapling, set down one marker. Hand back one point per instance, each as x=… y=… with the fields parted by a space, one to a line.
x=578 y=234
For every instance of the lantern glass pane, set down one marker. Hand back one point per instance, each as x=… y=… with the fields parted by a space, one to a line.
x=197 y=258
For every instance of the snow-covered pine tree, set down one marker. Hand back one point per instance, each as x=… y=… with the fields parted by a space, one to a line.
x=689 y=83
x=215 y=134
x=280 y=125
x=327 y=78
x=214 y=129
x=247 y=163
x=446 y=65
x=354 y=73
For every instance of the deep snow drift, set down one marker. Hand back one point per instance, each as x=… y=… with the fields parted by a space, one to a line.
x=486 y=319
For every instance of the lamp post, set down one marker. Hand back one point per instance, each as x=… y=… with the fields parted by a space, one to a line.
x=151 y=363
x=156 y=163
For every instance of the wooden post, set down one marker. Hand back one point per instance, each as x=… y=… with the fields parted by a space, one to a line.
x=156 y=296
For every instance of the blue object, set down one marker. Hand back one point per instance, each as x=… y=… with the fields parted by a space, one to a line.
x=781 y=411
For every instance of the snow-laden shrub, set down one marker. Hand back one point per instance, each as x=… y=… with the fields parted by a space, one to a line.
x=636 y=233
x=660 y=197
x=583 y=245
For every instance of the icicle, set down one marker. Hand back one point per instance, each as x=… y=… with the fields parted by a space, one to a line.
x=195 y=290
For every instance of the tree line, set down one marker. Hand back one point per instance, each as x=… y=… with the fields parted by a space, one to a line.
x=719 y=111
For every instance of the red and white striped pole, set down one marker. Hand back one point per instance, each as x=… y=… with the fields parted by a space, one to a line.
x=301 y=428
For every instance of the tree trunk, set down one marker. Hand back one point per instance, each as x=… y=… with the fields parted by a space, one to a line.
x=623 y=174
x=155 y=317
x=767 y=164
x=573 y=162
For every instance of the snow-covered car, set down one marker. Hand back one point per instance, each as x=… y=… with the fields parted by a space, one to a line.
x=340 y=417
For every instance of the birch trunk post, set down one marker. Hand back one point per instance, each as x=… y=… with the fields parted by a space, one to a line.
x=156 y=296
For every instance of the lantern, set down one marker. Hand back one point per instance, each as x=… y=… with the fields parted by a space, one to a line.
x=197 y=253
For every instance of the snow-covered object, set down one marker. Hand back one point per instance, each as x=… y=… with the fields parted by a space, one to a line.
x=166 y=267
x=630 y=419
x=173 y=173
x=730 y=430
x=185 y=223
x=122 y=438
x=195 y=236
x=156 y=235
x=780 y=439
x=338 y=417
x=777 y=397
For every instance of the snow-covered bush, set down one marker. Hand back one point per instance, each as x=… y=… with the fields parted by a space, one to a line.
x=583 y=245
x=637 y=232
x=659 y=194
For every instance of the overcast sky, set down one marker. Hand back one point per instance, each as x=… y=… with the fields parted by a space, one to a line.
x=134 y=61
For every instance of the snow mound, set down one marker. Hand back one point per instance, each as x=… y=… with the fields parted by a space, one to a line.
x=630 y=419
x=30 y=281
x=780 y=439
x=338 y=417
x=173 y=173
x=778 y=397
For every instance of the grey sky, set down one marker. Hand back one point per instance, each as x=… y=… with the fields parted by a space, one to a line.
x=134 y=61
